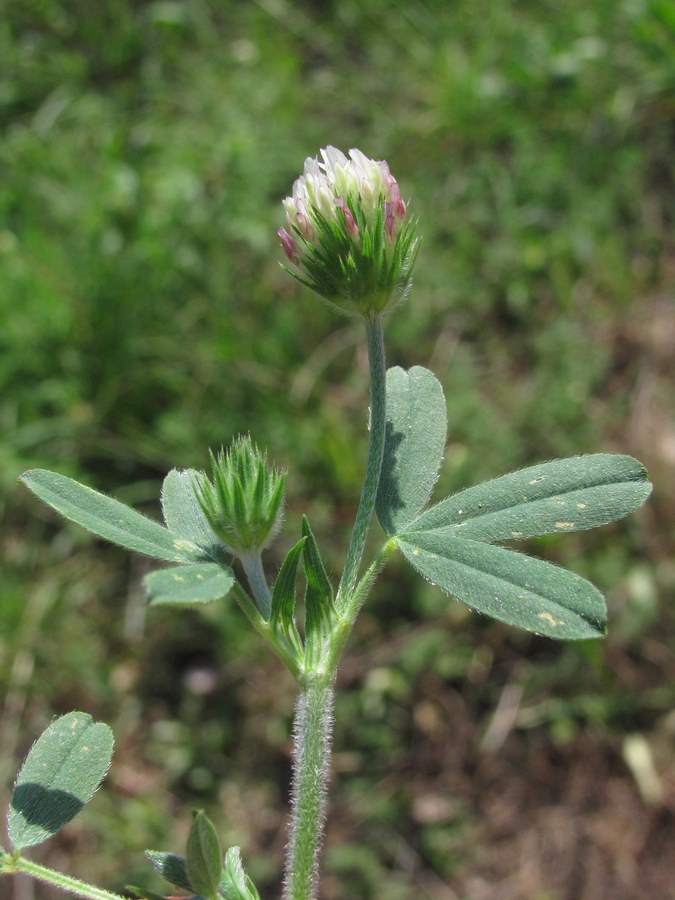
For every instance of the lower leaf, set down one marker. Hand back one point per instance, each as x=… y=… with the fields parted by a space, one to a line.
x=60 y=774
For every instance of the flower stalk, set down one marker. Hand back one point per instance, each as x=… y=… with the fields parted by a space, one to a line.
x=378 y=418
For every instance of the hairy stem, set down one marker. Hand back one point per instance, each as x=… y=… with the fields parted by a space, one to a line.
x=378 y=418
x=312 y=733
x=11 y=863
x=354 y=603
x=313 y=725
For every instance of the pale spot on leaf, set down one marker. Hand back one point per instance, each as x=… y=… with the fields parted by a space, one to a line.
x=180 y=544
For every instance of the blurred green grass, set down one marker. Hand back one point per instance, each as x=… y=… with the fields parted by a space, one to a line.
x=146 y=146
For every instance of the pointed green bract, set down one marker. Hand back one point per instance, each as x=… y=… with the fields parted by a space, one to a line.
x=282 y=617
x=243 y=503
x=319 y=607
x=183 y=514
x=60 y=774
x=108 y=518
x=552 y=497
x=204 y=857
x=171 y=867
x=414 y=444
x=509 y=586
x=235 y=884
x=188 y=585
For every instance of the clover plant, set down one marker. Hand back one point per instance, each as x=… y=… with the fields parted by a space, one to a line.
x=349 y=237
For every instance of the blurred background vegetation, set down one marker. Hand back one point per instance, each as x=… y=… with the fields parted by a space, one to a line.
x=145 y=317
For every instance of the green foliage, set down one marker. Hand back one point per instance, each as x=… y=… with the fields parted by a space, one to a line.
x=188 y=585
x=204 y=856
x=171 y=867
x=508 y=586
x=183 y=514
x=59 y=776
x=235 y=883
x=414 y=444
x=550 y=498
x=442 y=543
x=203 y=868
x=108 y=518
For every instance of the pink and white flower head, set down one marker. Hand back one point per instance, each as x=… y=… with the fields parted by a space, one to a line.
x=347 y=232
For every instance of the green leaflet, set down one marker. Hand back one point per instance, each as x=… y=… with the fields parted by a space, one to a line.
x=508 y=586
x=188 y=585
x=60 y=774
x=183 y=514
x=109 y=518
x=203 y=857
x=552 y=497
x=235 y=883
x=414 y=444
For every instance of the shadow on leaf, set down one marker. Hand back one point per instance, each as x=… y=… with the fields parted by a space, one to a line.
x=43 y=812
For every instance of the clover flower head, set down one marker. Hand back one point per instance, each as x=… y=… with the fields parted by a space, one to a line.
x=243 y=501
x=348 y=234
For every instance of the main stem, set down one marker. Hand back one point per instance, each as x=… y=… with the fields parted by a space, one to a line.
x=312 y=732
x=313 y=724
x=378 y=420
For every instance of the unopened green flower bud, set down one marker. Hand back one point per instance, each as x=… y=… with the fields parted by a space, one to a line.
x=243 y=502
x=348 y=234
